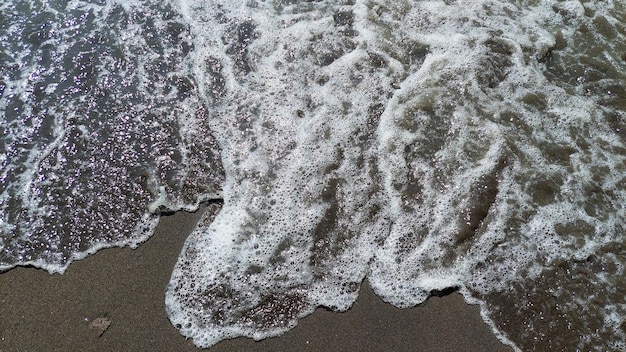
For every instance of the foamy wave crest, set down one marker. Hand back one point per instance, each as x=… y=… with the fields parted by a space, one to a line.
x=423 y=145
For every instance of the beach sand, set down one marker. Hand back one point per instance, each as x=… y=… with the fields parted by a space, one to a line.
x=43 y=312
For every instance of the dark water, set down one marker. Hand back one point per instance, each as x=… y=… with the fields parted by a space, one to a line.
x=421 y=145
x=101 y=127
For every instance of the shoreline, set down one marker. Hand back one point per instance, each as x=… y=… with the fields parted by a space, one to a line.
x=126 y=287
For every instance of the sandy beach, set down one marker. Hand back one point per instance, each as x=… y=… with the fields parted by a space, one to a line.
x=125 y=288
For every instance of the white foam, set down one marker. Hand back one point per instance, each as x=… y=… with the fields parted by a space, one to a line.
x=439 y=195
x=409 y=143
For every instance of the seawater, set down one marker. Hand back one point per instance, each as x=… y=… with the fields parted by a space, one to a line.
x=421 y=145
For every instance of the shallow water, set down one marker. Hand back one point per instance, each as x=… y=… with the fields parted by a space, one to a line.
x=420 y=145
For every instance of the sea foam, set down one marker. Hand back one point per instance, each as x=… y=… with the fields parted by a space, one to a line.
x=422 y=145
x=411 y=143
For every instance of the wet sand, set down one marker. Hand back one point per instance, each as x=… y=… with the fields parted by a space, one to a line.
x=43 y=312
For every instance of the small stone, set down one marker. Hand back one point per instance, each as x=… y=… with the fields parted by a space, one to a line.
x=100 y=325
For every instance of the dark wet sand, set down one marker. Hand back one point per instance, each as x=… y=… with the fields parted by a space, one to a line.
x=43 y=312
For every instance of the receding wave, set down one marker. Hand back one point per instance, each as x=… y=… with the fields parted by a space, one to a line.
x=424 y=146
